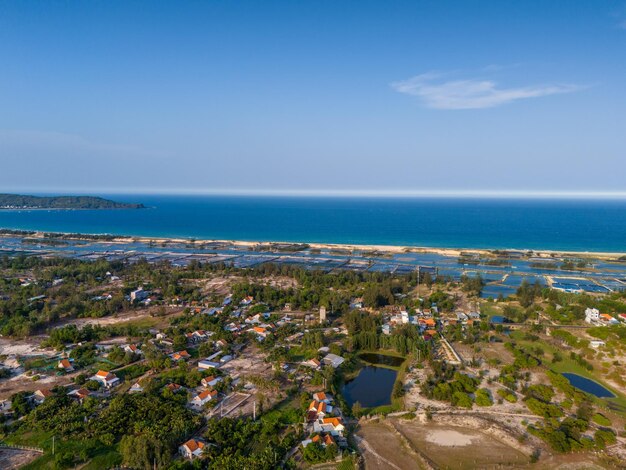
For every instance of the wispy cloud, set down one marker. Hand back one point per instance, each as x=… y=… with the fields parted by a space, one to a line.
x=437 y=92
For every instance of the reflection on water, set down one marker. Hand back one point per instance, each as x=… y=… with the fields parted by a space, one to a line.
x=383 y=359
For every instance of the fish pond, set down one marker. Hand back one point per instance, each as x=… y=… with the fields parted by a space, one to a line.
x=374 y=384
x=589 y=386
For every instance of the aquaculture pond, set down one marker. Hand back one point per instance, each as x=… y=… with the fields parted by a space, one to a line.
x=589 y=386
x=495 y=290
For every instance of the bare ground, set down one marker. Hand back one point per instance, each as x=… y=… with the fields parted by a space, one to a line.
x=383 y=449
x=15 y=458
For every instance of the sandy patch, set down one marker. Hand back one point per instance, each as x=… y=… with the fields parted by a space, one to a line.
x=25 y=347
x=450 y=438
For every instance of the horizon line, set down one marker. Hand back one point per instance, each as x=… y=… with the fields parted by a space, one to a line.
x=511 y=194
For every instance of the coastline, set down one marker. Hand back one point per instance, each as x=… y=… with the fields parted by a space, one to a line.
x=32 y=209
x=384 y=249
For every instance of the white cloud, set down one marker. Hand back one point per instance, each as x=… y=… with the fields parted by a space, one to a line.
x=437 y=93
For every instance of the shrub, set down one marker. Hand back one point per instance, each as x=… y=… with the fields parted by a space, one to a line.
x=601 y=419
x=483 y=397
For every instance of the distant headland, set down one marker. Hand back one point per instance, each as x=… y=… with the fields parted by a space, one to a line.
x=22 y=202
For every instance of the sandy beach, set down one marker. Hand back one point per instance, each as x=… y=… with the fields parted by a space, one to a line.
x=385 y=249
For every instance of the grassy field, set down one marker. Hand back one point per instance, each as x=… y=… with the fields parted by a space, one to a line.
x=571 y=366
x=99 y=456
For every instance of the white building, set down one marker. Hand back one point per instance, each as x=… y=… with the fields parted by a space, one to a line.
x=191 y=449
x=592 y=315
x=205 y=364
x=322 y=314
x=138 y=295
x=333 y=360
x=203 y=398
x=107 y=379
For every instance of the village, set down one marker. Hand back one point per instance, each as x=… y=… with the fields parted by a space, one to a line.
x=239 y=344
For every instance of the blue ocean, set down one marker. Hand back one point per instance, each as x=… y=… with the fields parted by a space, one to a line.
x=556 y=224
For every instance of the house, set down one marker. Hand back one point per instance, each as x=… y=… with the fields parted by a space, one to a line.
x=592 y=315
x=608 y=319
x=333 y=360
x=312 y=363
x=254 y=319
x=174 y=388
x=318 y=410
x=107 y=379
x=220 y=343
x=356 y=303
x=260 y=332
x=40 y=395
x=203 y=398
x=136 y=388
x=80 y=394
x=191 y=449
x=460 y=316
x=131 y=348
x=205 y=364
x=333 y=426
x=322 y=397
x=65 y=365
x=622 y=316
x=180 y=355
x=295 y=337
x=138 y=295
x=596 y=343
x=232 y=327
x=323 y=439
x=103 y=296
x=198 y=336
x=246 y=300
x=210 y=381
x=212 y=311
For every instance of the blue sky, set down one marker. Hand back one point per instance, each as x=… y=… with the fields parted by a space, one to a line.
x=399 y=96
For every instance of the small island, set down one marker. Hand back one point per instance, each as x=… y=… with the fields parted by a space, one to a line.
x=17 y=202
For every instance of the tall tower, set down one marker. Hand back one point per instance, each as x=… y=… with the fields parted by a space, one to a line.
x=322 y=314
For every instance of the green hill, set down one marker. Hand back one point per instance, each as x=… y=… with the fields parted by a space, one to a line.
x=17 y=201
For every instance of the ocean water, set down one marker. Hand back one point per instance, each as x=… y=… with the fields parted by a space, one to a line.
x=562 y=224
